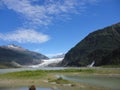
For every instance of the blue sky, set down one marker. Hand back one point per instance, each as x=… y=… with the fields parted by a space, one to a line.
x=52 y=27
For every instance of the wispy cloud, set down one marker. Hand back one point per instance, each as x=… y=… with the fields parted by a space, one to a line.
x=43 y=12
x=25 y=36
x=40 y=13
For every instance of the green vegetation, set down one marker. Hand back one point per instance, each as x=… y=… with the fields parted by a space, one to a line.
x=45 y=73
x=7 y=65
x=25 y=74
x=111 y=66
x=3 y=66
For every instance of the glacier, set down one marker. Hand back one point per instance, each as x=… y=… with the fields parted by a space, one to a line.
x=47 y=62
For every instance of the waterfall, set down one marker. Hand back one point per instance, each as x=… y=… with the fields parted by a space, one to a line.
x=91 y=65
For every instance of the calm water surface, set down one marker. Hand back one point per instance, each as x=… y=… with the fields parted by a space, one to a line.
x=23 y=88
x=111 y=82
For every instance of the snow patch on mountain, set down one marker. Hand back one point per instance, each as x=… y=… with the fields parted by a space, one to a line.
x=15 y=47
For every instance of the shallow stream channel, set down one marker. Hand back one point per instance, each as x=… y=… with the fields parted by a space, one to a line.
x=111 y=82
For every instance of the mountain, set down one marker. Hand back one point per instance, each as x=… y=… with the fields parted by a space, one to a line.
x=18 y=55
x=113 y=57
x=59 y=56
x=101 y=46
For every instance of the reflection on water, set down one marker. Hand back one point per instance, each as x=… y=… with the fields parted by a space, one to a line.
x=24 y=88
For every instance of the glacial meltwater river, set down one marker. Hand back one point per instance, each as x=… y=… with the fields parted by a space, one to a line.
x=29 y=68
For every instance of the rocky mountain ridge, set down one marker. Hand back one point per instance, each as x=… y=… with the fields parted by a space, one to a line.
x=97 y=46
x=19 y=55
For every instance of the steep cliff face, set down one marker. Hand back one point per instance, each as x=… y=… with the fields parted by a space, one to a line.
x=95 y=47
x=13 y=53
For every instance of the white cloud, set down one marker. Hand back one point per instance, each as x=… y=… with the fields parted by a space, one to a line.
x=33 y=13
x=25 y=36
x=1 y=4
x=45 y=13
x=40 y=12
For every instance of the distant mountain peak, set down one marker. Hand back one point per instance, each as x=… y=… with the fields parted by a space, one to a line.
x=13 y=46
x=59 y=56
